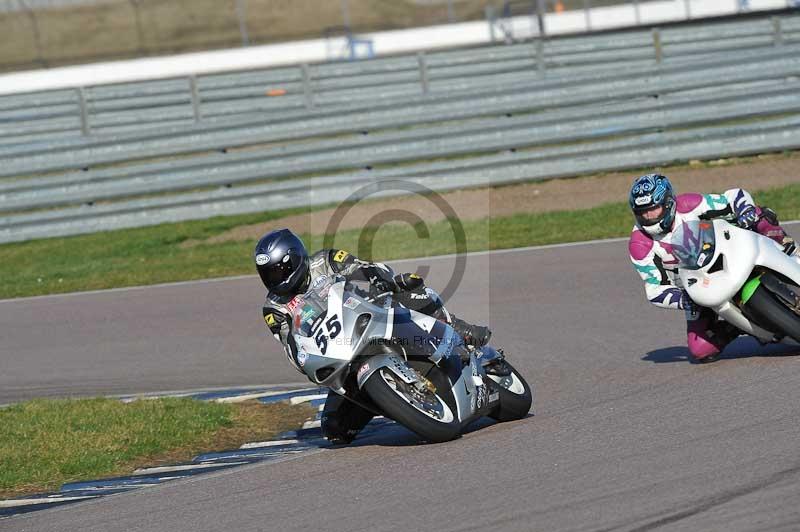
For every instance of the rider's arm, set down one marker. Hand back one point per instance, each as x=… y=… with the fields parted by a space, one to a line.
x=659 y=288
x=354 y=269
x=278 y=324
x=735 y=205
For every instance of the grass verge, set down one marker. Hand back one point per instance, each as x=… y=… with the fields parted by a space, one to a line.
x=153 y=254
x=45 y=443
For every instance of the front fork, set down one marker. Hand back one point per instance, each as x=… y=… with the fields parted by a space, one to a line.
x=475 y=393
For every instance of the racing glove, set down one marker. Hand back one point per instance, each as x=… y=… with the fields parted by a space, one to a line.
x=789 y=245
x=379 y=279
x=747 y=217
x=408 y=281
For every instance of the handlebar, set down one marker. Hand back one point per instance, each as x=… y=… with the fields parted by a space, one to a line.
x=379 y=296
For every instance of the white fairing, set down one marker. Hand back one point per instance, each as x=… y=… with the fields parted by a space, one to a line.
x=336 y=350
x=741 y=251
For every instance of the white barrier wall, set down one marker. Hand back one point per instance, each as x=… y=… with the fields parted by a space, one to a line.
x=427 y=38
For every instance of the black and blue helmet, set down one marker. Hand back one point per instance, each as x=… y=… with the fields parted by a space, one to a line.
x=282 y=262
x=652 y=200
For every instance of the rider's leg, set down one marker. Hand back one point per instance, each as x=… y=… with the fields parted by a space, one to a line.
x=416 y=296
x=769 y=226
x=477 y=335
x=707 y=336
x=342 y=420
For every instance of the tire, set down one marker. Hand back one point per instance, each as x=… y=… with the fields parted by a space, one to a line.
x=776 y=315
x=515 y=399
x=382 y=387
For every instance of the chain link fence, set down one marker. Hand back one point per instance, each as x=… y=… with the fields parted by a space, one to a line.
x=44 y=33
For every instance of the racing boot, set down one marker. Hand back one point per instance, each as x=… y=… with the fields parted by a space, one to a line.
x=725 y=332
x=342 y=420
x=474 y=335
x=721 y=334
x=499 y=367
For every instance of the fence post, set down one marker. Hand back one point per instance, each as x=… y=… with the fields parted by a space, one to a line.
x=346 y=13
x=137 y=18
x=541 y=66
x=490 y=18
x=587 y=10
x=777 y=34
x=451 y=14
x=37 y=35
x=637 y=12
x=541 y=11
x=687 y=4
x=195 y=98
x=241 y=14
x=423 y=73
x=83 y=109
x=308 y=95
x=657 y=45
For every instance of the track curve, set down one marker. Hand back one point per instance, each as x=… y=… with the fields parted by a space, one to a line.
x=627 y=434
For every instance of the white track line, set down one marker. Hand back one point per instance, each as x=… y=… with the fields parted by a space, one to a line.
x=173 y=469
x=253 y=276
x=287 y=387
x=32 y=502
x=307 y=398
x=273 y=443
x=248 y=397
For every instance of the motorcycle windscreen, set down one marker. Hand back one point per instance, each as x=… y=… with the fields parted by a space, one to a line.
x=693 y=244
x=311 y=307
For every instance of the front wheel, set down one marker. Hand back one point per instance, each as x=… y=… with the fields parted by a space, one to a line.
x=424 y=413
x=516 y=396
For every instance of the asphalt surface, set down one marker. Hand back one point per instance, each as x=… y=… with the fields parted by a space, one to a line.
x=627 y=435
x=171 y=337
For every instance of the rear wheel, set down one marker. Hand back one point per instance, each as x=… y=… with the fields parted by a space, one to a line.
x=516 y=396
x=774 y=314
x=424 y=412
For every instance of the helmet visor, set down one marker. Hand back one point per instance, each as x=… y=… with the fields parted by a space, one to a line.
x=650 y=215
x=279 y=272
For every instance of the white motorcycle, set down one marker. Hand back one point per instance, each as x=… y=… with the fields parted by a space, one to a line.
x=744 y=277
x=402 y=364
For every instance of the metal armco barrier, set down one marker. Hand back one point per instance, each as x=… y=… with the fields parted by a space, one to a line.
x=172 y=99
x=139 y=154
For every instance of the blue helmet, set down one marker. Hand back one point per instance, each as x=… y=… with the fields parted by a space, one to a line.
x=652 y=201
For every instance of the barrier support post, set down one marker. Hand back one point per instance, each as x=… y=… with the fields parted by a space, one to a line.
x=83 y=108
x=423 y=73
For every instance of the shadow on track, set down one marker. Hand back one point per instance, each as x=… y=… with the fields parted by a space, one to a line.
x=395 y=435
x=744 y=347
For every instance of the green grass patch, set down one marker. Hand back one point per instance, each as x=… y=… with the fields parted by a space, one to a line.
x=127 y=257
x=153 y=254
x=45 y=443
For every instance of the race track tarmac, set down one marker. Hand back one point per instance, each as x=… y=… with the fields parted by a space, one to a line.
x=627 y=435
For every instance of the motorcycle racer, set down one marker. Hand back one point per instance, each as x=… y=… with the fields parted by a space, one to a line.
x=288 y=272
x=658 y=211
